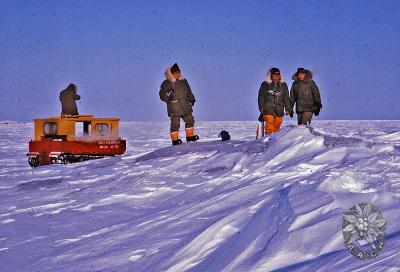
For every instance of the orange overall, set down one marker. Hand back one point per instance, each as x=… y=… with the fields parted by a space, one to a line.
x=272 y=123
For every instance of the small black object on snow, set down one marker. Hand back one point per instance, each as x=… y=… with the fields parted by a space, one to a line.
x=224 y=135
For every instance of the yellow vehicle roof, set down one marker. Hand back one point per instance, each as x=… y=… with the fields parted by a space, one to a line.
x=78 y=118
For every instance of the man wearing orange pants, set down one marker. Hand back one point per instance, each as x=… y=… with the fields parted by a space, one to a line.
x=274 y=101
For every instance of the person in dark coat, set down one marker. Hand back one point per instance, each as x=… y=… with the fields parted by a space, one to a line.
x=274 y=101
x=305 y=94
x=177 y=94
x=68 y=99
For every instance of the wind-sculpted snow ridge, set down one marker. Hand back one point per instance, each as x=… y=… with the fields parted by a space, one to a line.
x=241 y=205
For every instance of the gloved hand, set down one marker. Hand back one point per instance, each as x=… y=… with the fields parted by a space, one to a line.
x=192 y=102
x=261 y=118
x=77 y=97
x=318 y=104
x=318 y=107
x=170 y=94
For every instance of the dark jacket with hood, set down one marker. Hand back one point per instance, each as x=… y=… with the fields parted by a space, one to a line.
x=177 y=94
x=273 y=97
x=68 y=99
x=305 y=94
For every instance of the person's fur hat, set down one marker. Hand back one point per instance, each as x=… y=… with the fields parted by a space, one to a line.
x=175 y=68
x=72 y=86
x=301 y=70
x=274 y=70
x=308 y=73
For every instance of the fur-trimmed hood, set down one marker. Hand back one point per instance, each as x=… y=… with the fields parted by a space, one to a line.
x=170 y=77
x=269 y=80
x=309 y=76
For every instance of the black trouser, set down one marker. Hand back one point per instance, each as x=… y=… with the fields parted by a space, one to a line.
x=304 y=118
x=175 y=122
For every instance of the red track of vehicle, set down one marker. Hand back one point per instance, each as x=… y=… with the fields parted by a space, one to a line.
x=42 y=149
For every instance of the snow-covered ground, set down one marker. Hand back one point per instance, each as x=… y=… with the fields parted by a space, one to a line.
x=242 y=205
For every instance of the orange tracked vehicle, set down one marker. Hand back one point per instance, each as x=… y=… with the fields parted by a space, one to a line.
x=75 y=138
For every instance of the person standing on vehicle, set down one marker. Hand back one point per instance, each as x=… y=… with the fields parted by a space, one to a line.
x=68 y=98
x=305 y=94
x=177 y=94
x=274 y=101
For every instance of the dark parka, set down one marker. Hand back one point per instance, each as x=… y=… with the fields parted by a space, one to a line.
x=177 y=94
x=305 y=94
x=68 y=98
x=273 y=98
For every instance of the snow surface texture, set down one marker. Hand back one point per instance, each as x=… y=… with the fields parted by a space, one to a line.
x=241 y=205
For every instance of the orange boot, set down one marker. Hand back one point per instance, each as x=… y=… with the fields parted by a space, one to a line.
x=175 y=138
x=190 y=137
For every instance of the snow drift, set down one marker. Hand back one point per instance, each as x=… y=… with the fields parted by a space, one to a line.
x=240 y=205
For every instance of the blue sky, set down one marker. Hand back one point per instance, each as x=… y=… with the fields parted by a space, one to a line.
x=117 y=51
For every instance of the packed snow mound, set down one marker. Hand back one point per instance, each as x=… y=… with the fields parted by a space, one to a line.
x=241 y=205
x=389 y=138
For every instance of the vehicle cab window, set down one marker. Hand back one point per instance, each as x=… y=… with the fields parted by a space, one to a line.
x=50 y=129
x=102 y=129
